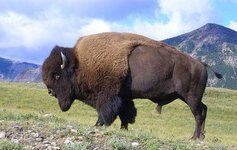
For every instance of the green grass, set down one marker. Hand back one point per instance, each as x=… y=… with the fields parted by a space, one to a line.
x=6 y=145
x=171 y=130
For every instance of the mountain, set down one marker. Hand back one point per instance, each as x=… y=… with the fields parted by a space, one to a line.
x=14 y=71
x=29 y=75
x=217 y=46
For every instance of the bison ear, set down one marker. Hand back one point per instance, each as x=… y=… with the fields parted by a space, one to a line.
x=64 y=60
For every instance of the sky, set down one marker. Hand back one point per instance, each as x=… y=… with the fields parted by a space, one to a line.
x=29 y=29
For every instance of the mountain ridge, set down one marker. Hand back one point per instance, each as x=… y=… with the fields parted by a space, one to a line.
x=213 y=44
x=16 y=71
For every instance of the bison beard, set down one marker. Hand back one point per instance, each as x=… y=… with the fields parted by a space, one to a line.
x=108 y=70
x=64 y=104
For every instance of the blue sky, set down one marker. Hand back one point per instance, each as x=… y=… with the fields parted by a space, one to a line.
x=29 y=29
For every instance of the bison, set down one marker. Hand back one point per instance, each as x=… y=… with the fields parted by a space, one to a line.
x=108 y=70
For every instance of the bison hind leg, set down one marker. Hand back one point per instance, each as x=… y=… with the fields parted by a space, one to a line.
x=108 y=110
x=199 y=111
x=158 y=108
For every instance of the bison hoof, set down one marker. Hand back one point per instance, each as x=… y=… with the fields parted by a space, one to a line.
x=124 y=127
x=202 y=136
x=193 y=138
x=158 y=109
x=132 y=120
x=98 y=124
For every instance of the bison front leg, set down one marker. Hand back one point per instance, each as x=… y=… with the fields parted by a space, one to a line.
x=127 y=113
x=99 y=121
x=108 y=109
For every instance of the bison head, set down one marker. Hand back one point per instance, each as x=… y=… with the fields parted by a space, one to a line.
x=58 y=73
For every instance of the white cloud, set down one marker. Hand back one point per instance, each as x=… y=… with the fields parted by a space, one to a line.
x=95 y=26
x=52 y=26
x=233 y=25
x=19 y=30
x=182 y=16
x=180 y=19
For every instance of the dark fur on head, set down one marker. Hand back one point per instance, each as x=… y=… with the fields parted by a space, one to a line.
x=61 y=81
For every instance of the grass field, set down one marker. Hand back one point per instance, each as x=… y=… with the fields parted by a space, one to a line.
x=29 y=106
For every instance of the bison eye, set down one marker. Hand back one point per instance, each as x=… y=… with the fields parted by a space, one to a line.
x=56 y=76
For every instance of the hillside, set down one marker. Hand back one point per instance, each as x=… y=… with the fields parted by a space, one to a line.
x=31 y=119
x=215 y=45
x=15 y=71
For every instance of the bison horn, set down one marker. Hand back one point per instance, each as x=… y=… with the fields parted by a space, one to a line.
x=64 y=59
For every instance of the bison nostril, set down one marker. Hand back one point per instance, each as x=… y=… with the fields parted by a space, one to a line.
x=50 y=92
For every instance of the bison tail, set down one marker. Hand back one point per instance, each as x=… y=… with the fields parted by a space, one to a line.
x=218 y=75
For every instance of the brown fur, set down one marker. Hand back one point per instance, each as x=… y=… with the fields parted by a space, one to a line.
x=104 y=58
